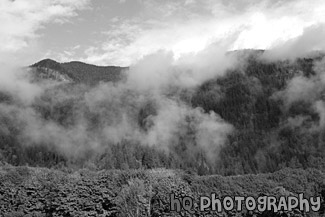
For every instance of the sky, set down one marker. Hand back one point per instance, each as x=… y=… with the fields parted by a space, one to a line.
x=120 y=32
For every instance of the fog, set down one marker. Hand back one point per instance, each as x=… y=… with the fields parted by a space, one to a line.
x=149 y=107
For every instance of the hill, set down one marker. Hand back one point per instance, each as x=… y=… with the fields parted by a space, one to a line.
x=78 y=71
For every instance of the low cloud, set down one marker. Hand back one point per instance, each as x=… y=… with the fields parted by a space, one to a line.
x=311 y=41
x=147 y=108
x=306 y=89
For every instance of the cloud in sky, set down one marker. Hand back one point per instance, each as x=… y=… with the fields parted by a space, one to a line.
x=21 y=19
x=118 y=32
x=312 y=39
x=189 y=26
x=20 y=22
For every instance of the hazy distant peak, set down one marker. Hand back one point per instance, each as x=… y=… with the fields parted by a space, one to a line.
x=80 y=71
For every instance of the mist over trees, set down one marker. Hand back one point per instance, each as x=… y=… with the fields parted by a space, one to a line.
x=247 y=119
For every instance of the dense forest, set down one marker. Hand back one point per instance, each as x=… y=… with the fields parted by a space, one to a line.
x=89 y=117
x=30 y=191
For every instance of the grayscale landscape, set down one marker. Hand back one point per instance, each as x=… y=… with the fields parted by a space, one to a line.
x=108 y=108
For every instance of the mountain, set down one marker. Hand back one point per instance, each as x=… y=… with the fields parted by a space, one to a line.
x=78 y=72
x=276 y=109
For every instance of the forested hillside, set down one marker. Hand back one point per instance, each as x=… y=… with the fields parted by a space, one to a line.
x=272 y=130
x=251 y=119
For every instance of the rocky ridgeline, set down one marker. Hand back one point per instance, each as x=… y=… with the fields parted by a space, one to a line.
x=26 y=191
